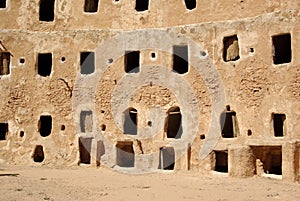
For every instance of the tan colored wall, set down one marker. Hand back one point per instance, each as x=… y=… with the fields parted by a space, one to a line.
x=254 y=87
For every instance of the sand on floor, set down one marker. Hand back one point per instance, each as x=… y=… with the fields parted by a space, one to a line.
x=90 y=183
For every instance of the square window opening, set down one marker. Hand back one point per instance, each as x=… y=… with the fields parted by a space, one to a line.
x=282 y=52
x=87 y=63
x=130 y=121
x=190 y=4
x=173 y=125
x=91 y=6
x=231 y=48
x=180 y=59
x=86 y=121
x=3 y=131
x=4 y=63
x=132 y=61
x=279 y=124
x=47 y=10
x=45 y=125
x=44 y=64
x=3 y=4
x=141 y=5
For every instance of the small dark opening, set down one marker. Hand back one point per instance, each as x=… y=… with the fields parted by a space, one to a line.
x=85 y=147
x=221 y=164
x=251 y=50
x=4 y=63
x=174 y=124
x=203 y=53
x=47 y=10
x=45 y=125
x=125 y=154
x=130 y=121
x=22 y=60
x=100 y=152
x=190 y=4
x=91 y=6
x=278 y=124
x=62 y=127
x=103 y=127
x=87 y=62
x=149 y=123
x=153 y=55
x=202 y=136
x=249 y=132
x=44 y=64
x=110 y=61
x=132 y=61
x=231 y=48
x=22 y=133
x=3 y=4
x=38 y=154
x=86 y=121
x=63 y=59
x=166 y=158
x=180 y=59
x=141 y=5
x=282 y=52
x=3 y=130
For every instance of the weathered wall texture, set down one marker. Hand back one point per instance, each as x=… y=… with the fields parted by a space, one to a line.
x=254 y=87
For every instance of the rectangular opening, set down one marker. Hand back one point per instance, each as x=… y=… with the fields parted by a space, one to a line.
x=141 y=5
x=297 y=161
x=85 y=147
x=190 y=4
x=3 y=4
x=87 y=62
x=47 y=10
x=100 y=151
x=189 y=156
x=132 y=61
x=38 y=154
x=278 y=124
x=228 y=127
x=268 y=159
x=166 y=158
x=125 y=154
x=4 y=63
x=45 y=125
x=221 y=161
x=282 y=52
x=91 y=6
x=230 y=48
x=130 y=121
x=3 y=130
x=86 y=121
x=174 y=124
x=180 y=59
x=44 y=64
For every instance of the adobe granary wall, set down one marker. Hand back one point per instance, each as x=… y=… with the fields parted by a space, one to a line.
x=151 y=87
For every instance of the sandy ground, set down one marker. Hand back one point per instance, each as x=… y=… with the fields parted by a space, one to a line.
x=83 y=183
